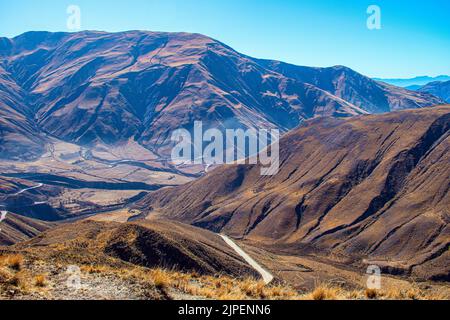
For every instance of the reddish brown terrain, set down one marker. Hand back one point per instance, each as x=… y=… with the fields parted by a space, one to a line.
x=439 y=89
x=156 y=244
x=371 y=189
x=85 y=176
x=20 y=137
x=93 y=88
x=89 y=115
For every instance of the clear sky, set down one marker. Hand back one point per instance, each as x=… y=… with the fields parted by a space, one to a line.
x=414 y=38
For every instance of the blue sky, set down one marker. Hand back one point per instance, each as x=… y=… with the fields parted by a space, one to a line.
x=414 y=38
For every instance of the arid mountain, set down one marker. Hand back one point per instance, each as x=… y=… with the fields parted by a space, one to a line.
x=96 y=87
x=370 y=189
x=20 y=137
x=348 y=85
x=440 y=89
x=158 y=260
x=15 y=228
x=155 y=244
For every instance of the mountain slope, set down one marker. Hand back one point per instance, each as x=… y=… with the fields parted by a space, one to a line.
x=439 y=89
x=20 y=137
x=371 y=187
x=155 y=244
x=360 y=91
x=92 y=87
x=17 y=228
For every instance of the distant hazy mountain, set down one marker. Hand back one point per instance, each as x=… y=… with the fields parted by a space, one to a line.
x=413 y=83
x=372 y=187
x=91 y=87
x=413 y=87
x=440 y=89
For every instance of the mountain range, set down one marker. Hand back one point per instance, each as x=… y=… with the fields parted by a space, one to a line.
x=439 y=89
x=85 y=135
x=97 y=87
x=414 y=83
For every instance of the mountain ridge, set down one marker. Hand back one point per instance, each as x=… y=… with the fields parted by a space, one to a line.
x=92 y=87
x=415 y=81
x=371 y=188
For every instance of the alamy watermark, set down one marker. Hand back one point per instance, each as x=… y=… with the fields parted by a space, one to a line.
x=74 y=19
x=74 y=279
x=374 y=19
x=373 y=277
x=215 y=147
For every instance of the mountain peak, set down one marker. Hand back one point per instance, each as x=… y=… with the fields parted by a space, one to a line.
x=94 y=87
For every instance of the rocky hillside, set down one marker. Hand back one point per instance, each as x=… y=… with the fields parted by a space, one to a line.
x=439 y=89
x=162 y=260
x=156 y=244
x=15 y=228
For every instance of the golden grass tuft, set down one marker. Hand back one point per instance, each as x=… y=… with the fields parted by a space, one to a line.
x=371 y=293
x=325 y=292
x=40 y=281
x=13 y=261
x=161 y=279
x=18 y=280
x=354 y=295
x=414 y=294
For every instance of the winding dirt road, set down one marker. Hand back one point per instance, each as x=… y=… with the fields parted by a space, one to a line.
x=267 y=277
x=28 y=189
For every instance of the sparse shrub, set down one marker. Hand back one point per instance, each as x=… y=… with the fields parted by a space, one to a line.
x=371 y=293
x=413 y=294
x=354 y=295
x=323 y=292
x=14 y=261
x=259 y=290
x=16 y=281
x=4 y=276
x=161 y=279
x=40 y=281
x=247 y=287
x=319 y=294
x=232 y=296
x=394 y=294
x=276 y=292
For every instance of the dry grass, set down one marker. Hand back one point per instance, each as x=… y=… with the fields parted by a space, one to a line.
x=13 y=261
x=16 y=280
x=206 y=287
x=19 y=277
x=227 y=288
x=15 y=276
x=371 y=293
x=160 y=278
x=17 y=283
x=325 y=292
x=40 y=281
